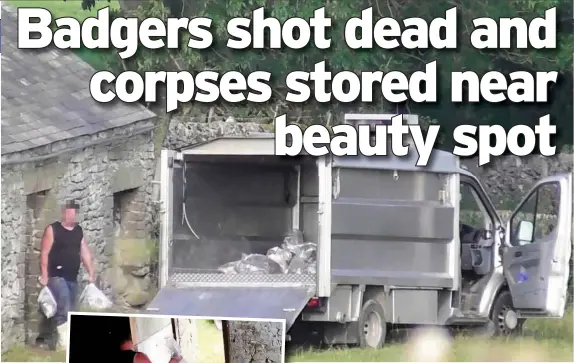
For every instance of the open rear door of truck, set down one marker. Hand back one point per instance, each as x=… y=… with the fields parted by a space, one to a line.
x=536 y=259
x=224 y=296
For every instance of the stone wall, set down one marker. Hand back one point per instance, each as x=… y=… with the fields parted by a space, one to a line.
x=255 y=341
x=182 y=134
x=31 y=194
x=42 y=209
x=507 y=179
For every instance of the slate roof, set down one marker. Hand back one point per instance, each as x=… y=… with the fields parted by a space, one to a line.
x=46 y=98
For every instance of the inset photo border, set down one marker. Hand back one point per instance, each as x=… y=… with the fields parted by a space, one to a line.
x=150 y=338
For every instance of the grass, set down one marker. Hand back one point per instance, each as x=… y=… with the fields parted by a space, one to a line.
x=59 y=8
x=33 y=354
x=543 y=340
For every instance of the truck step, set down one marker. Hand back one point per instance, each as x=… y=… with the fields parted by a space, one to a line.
x=468 y=318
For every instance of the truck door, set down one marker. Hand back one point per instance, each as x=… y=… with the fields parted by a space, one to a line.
x=538 y=246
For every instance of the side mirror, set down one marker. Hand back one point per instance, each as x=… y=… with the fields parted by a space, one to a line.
x=525 y=233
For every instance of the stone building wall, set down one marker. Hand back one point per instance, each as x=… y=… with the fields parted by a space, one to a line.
x=507 y=179
x=113 y=183
x=31 y=195
x=42 y=209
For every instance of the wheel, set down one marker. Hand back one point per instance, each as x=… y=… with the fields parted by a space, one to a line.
x=504 y=317
x=372 y=325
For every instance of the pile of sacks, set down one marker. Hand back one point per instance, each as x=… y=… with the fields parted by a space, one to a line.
x=294 y=256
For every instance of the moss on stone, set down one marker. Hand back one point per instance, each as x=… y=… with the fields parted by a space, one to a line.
x=135 y=252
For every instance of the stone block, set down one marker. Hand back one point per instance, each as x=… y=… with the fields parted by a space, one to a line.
x=131 y=226
x=22 y=270
x=118 y=280
x=138 y=291
x=134 y=252
x=42 y=178
x=32 y=283
x=126 y=178
x=134 y=215
x=34 y=269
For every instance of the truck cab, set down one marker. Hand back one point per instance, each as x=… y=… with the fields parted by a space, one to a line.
x=396 y=243
x=517 y=267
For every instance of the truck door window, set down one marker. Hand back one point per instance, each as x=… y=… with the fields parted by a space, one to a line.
x=472 y=211
x=541 y=211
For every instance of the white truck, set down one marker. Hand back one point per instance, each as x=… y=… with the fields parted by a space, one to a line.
x=396 y=244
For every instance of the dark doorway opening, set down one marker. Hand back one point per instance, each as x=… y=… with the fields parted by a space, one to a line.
x=97 y=337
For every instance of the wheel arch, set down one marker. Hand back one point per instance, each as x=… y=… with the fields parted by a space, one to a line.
x=381 y=295
x=502 y=288
x=490 y=293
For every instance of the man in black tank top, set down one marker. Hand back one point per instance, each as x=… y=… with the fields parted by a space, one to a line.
x=63 y=249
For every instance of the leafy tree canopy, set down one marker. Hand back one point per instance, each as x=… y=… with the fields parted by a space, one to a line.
x=339 y=57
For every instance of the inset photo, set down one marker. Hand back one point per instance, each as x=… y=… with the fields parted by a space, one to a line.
x=144 y=338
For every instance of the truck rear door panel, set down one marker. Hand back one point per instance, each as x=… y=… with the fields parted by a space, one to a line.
x=391 y=229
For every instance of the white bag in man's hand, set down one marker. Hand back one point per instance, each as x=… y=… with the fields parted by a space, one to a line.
x=47 y=302
x=94 y=298
x=173 y=345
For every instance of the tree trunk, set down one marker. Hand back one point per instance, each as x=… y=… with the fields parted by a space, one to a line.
x=255 y=341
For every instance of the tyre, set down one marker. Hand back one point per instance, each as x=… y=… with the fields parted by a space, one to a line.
x=372 y=325
x=504 y=317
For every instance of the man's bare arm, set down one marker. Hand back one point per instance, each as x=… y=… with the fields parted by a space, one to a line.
x=141 y=358
x=46 y=246
x=86 y=256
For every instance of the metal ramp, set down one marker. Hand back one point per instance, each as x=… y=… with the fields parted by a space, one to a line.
x=217 y=295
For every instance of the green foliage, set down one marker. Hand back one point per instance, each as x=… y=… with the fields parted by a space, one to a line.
x=339 y=57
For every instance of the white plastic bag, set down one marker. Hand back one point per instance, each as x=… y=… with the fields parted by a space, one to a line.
x=47 y=302
x=175 y=349
x=94 y=298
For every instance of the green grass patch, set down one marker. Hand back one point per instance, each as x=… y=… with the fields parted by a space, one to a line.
x=32 y=354
x=544 y=340
x=99 y=59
